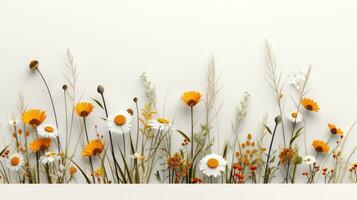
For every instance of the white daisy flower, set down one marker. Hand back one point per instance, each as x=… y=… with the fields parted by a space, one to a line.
x=297 y=80
x=137 y=156
x=309 y=160
x=49 y=157
x=119 y=122
x=212 y=165
x=293 y=116
x=161 y=124
x=48 y=131
x=14 y=122
x=15 y=161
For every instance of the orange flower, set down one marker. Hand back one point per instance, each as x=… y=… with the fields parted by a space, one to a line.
x=310 y=105
x=191 y=98
x=320 y=146
x=33 y=117
x=334 y=130
x=252 y=168
x=83 y=109
x=94 y=148
x=40 y=144
x=72 y=170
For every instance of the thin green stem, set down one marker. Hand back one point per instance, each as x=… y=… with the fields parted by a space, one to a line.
x=90 y=158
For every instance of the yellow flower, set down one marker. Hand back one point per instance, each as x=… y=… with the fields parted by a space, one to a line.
x=33 y=117
x=83 y=109
x=99 y=172
x=40 y=144
x=94 y=148
x=310 y=105
x=191 y=98
x=320 y=146
x=334 y=130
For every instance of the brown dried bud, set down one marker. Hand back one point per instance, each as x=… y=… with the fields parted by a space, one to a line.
x=64 y=87
x=135 y=99
x=34 y=65
x=100 y=89
x=130 y=111
x=278 y=119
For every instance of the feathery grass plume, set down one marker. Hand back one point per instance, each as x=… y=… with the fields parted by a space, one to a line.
x=274 y=79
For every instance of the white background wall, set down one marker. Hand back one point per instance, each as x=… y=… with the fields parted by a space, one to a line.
x=115 y=41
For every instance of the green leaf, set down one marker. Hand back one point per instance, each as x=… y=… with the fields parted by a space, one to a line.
x=184 y=135
x=268 y=129
x=296 y=135
x=126 y=166
x=225 y=151
x=4 y=150
x=99 y=104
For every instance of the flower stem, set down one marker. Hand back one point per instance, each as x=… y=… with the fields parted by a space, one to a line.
x=266 y=175
x=111 y=141
x=53 y=107
x=90 y=158
x=191 y=132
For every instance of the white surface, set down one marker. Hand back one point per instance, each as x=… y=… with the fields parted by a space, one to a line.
x=115 y=41
x=176 y=192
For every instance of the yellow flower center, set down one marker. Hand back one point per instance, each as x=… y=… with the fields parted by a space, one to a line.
x=163 y=120
x=15 y=161
x=49 y=129
x=120 y=120
x=212 y=163
x=294 y=115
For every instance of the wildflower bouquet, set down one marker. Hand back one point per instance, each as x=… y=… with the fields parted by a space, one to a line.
x=137 y=146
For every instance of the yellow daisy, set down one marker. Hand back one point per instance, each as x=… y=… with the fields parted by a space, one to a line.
x=33 y=117
x=320 y=146
x=94 y=148
x=310 y=105
x=84 y=109
x=191 y=98
x=40 y=144
x=334 y=130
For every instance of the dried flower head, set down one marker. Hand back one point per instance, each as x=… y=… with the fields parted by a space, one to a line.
x=288 y=155
x=100 y=89
x=34 y=65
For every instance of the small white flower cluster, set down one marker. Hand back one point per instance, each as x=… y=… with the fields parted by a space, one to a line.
x=150 y=91
x=297 y=80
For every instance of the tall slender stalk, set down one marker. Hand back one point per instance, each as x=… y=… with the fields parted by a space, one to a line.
x=53 y=107
x=192 y=140
x=101 y=92
x=266 y=175
x=87 y=138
